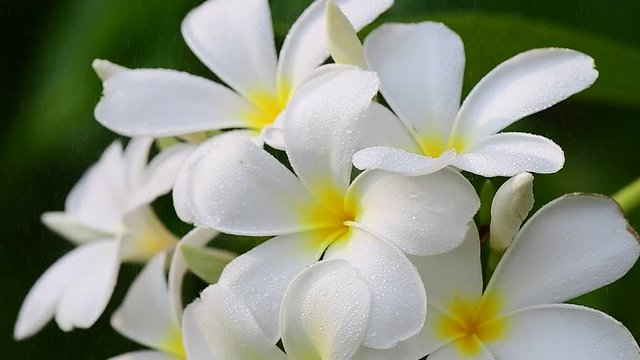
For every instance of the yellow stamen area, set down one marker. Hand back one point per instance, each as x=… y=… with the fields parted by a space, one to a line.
x=146 y=237
x=471 y=323
x=330 y=210
x=267 y=105
x=434 y=145
x=173 y=345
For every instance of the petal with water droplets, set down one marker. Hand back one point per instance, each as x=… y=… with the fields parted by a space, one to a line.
x=560 y=332
x=422 y=215
x=509 y=154
x=398 y=299
x=523 y=85
x=325 y=312
x=235 y=40
x=573 y=245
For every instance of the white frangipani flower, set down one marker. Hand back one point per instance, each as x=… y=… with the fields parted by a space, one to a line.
x=421 y=68
x=234 y=38
x=238 y=188
x=107 y=215
x=510 y=206
x=151 y=312
x=571 y=246
x=324 y=315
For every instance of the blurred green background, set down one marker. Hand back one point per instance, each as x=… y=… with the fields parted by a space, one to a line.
x=49 y=136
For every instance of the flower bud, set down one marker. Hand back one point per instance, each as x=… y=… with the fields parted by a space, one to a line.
x=510 y=206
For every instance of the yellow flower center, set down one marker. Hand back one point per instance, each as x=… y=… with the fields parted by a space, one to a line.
x=434 y=145
x=331 y=211
x=471 y=323
x=174 y=346
x=267 y=105
x=145 y=237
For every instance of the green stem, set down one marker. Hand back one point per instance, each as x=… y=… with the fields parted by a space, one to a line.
x=493 y=260
x=629 y=196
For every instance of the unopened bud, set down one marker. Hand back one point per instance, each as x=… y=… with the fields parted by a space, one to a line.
x=510 y=206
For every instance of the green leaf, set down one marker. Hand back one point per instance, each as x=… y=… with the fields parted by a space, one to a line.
x=491 y=38
x=206 y=263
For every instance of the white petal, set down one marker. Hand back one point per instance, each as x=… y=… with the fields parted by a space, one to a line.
x=87 y=294
x=160 y=176
x=178 y=269
x=235 y=40
x=399 y=302
x=573 y=245
x=145 y=315
x=158 y=102
x=238 y=188
x=261 y=276
x=228 y=328
x=416 y=347
x=181 y=185
x=71 y=229
x=77 y=269
x=145 y=235
x=98 y=198
x=383 y=128
x=344 y=45
x=325 y=312
x=510 y=206
x=423 y=215
x=180 y=193
x=136 y=157
x=195 y=343
x=400 y=161
x=273 y=134
x=509 y=154
x=322 y=128
x=451 y=352
x=523 y=85
x=145 y=355
x=454 y=275
x=560 y=332
x=420 y=68
x=105 y=68
x=306 y=47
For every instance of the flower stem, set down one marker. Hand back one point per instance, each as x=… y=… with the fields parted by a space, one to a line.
x=493 y=260
x=629 y=196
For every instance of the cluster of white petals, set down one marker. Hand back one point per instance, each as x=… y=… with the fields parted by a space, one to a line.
x=372 y=249
x=108 y=217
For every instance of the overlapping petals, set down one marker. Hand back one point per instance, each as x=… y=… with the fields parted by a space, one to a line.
x=151 y=312
x=107 y=215
x=239 y=188
x=235 y=40
x=324 y=316
x=571 y=246
x=421 y=68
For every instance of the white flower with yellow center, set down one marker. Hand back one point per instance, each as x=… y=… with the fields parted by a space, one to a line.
x=234 y=39
x=325 y=314
x=107 y=215
x=571 y=246
x=151 y=312
x=421 y=68
x=238 y=188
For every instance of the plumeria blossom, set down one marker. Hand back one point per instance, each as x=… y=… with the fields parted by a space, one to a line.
x=421 y=69
x=234 y=39
x=107 y=215
x=571 y=246
x=151 y=312
x=238 y=188
x=324 y=316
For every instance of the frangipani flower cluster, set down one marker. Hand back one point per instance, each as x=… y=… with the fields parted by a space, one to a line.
x=372 y=249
